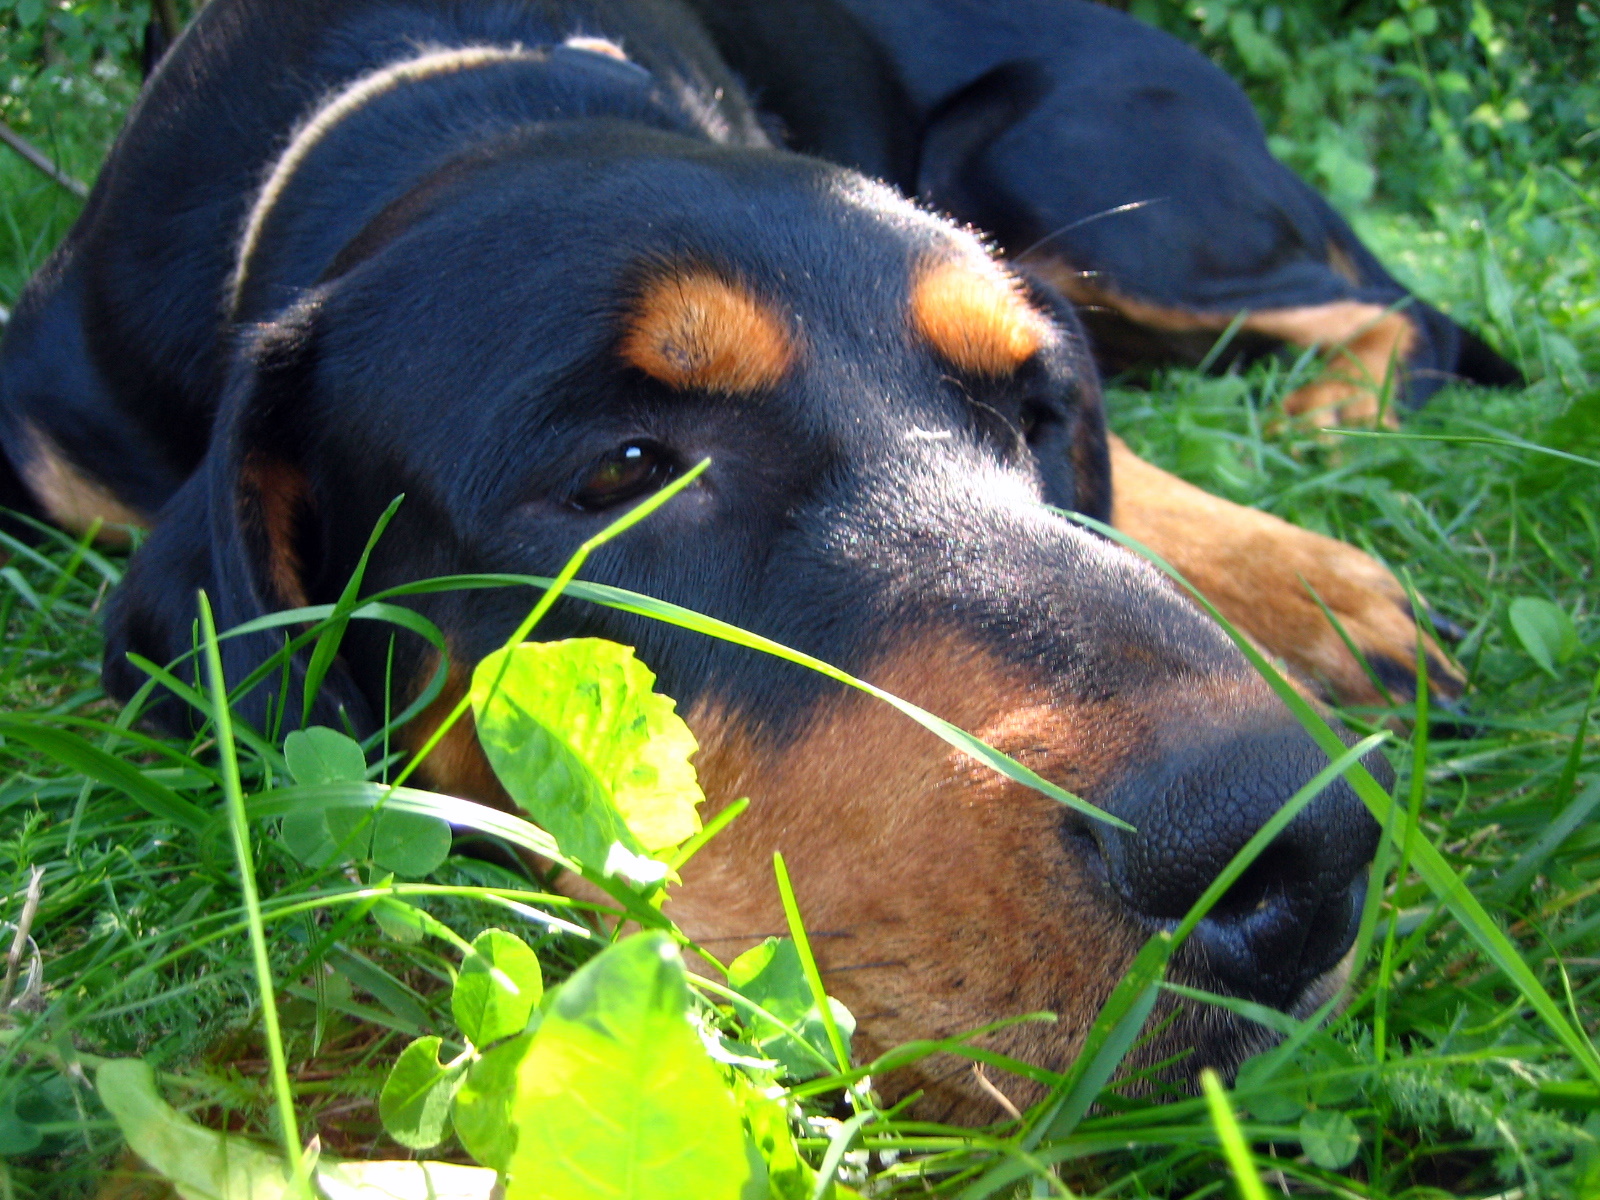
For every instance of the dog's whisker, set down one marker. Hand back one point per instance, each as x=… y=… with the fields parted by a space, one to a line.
x=1082 y=221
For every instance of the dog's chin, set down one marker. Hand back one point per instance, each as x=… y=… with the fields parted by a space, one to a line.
x=1189 y=1037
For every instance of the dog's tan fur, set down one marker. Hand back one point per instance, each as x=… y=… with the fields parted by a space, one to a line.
x=1260 y=572
x=692 y=329
x=74 y=500
x=1363 y=345
x=974 y=316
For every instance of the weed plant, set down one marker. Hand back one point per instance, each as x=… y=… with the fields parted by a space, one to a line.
x=1462 y=1065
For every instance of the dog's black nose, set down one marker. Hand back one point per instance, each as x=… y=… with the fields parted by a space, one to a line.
x=1292 y=915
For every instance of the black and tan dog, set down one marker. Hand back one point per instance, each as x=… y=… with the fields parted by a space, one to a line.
x=524 y=263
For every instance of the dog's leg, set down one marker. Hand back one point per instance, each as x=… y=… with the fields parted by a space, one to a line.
x=1364 y=347
x=1260 y=570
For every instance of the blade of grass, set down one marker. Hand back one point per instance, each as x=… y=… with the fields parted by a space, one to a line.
x=1527 y=865
x=685 y=618
x=1224 y=340
x=837 y=1145
x=1419 y=783
x=1234 y=1148
x=327 y=647
x=463 y=814
x=79 y=755
x=1349 y=643
x=1512 y=443
x=238 y=824
x=808 y=962
x=1134 y=998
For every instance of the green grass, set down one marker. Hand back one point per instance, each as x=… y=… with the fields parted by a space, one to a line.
x=1453 y=1083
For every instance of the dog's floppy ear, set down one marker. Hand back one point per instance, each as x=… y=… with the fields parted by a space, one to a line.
x=246 y=528
x=961 y=127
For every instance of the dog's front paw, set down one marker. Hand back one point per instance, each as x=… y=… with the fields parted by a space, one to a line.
x=1267 y=576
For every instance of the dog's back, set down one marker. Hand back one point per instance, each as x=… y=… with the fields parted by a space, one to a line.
x=1107 y=154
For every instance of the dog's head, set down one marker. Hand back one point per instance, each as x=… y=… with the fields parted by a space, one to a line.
x=540 y=337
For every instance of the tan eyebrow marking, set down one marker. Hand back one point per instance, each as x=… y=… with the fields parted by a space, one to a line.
x=694 y=329
x=975 y=317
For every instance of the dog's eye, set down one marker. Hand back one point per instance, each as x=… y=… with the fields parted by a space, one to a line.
x=626 y=473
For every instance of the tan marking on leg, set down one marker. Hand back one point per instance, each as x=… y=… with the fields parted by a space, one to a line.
x=1251 y=565
x=975 y=317
x=1362 y=343
x=73 y=500
x=693 y=329
x=1366 y=346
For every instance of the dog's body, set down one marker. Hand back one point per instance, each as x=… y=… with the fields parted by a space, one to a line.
x=1114 y=159
x=468 y=252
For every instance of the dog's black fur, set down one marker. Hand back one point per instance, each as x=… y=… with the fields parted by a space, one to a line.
x=1041 y=122
x=433 y=304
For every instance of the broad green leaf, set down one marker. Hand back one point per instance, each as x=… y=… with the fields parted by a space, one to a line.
x=499 y=984
x=415 y=1101
x=1328 y=1066
x=323 y=755
x=618 y=1098
x=200 y=1164
x=582 y=742
x=400 y=922
x=368 y=795
x=771 y=975
x=482 y=1111
x=1282 y=1097
x=18 y=1135
x=1329 y=1138
x=1545 y=631
x=204 y=1165
x=26 y=1106
x=400 y=842
x=409 y=844
x=319 y=837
